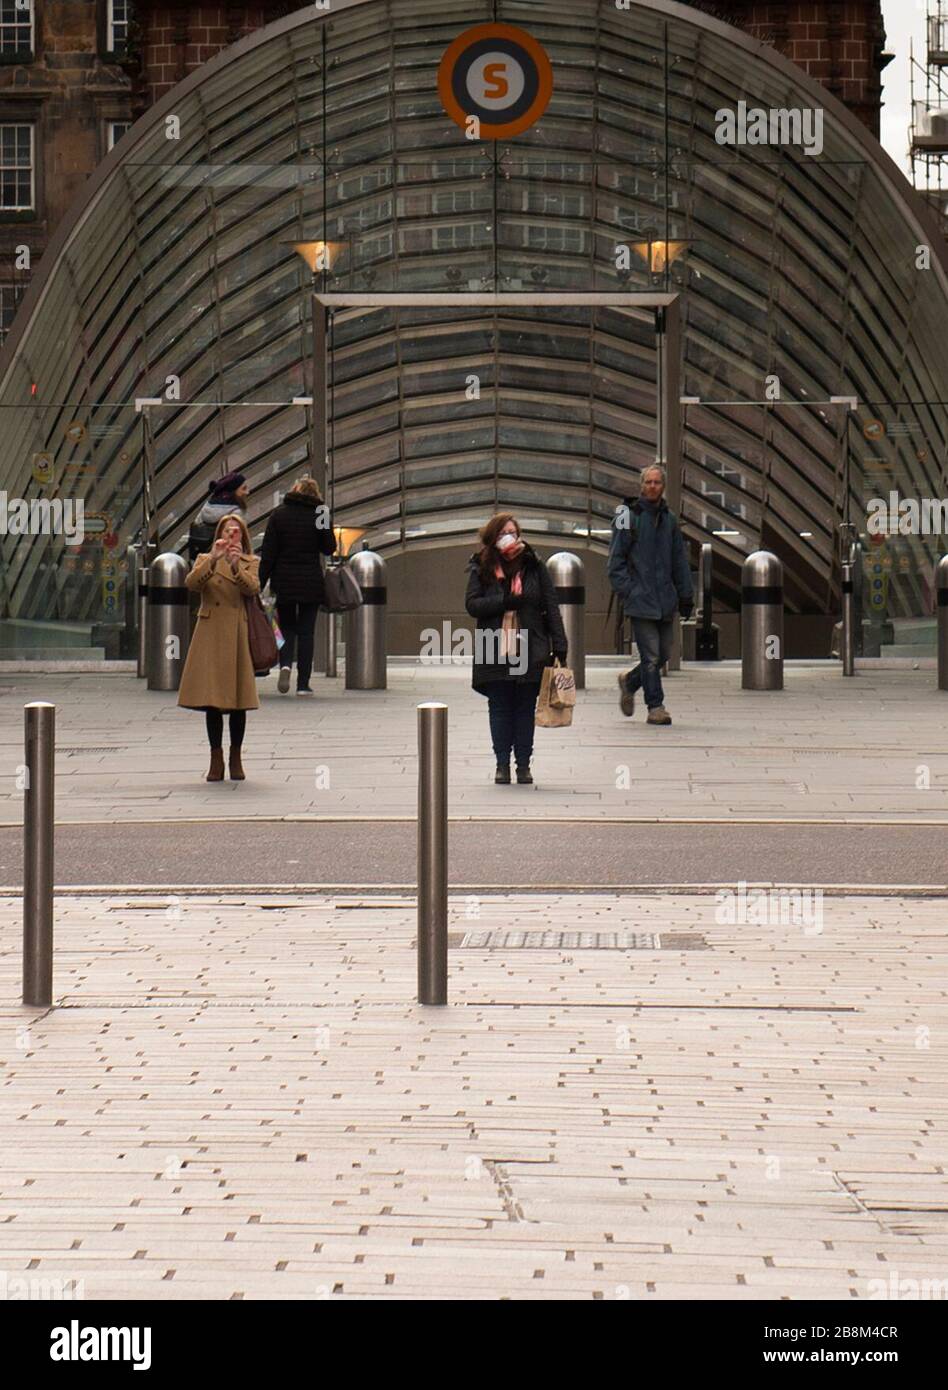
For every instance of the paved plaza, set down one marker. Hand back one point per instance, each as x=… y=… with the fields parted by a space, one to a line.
x=629 y=1095
x=238 y=1098
x=871 y=748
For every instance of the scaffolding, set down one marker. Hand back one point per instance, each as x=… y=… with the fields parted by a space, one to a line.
x=928 y=133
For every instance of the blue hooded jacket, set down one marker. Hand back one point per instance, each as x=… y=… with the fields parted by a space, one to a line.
x=648 y=561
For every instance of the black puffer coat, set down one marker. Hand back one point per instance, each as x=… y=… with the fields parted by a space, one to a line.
x=538 y=613
x=296 y=538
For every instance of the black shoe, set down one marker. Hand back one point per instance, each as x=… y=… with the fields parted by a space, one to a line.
x=524 y=776
x=502 y=775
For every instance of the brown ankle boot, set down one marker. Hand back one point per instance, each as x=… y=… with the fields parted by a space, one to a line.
x=236 y=767
x=216 y=772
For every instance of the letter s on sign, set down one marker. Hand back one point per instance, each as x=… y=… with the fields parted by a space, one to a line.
x=494 y=76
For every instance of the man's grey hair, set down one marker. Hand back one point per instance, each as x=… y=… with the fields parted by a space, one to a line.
x=653 y=468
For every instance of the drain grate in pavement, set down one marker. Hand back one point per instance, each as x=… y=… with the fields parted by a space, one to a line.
x=577 y=941
x=112 y=748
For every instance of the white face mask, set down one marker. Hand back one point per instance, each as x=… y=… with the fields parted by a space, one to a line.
x=506 y=541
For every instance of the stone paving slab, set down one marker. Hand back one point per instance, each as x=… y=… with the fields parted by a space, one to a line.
x=874 y=747
x=235 y=1097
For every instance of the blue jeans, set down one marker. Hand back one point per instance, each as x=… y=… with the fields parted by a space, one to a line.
x=653 y=637
x=511 y=707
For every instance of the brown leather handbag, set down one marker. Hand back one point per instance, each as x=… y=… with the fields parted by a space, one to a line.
x=263 y=644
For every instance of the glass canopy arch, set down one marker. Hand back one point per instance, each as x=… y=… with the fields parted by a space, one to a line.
x=177 y=273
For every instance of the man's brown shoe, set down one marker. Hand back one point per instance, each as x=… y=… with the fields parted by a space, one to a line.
x=216 y=772
x=626 y=698
x=658 y=715
x=236 y=767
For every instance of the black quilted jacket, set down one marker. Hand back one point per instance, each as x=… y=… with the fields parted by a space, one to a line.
x=298 y=534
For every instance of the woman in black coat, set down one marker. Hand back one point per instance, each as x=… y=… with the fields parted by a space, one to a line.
x=519 y=631
x=298 y=534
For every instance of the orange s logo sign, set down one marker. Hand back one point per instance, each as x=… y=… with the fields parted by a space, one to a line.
x=494 y=74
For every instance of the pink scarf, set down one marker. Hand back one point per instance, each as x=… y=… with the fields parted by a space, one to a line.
x=510 y=625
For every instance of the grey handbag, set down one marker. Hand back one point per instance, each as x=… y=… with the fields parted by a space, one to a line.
x=342 y=589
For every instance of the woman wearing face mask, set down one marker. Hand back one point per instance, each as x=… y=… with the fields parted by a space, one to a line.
x=519 y=631
x=218 y=675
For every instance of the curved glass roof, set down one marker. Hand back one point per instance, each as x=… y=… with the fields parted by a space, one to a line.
x=179 y=268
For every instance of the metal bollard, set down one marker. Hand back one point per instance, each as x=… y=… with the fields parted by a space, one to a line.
x=38 y=832
x=762 y=622
x=566 y=571
x=941 y=588
x=332 y=645
x=168 y=624
x=432 y=854
x=365 y=626
x=847 y=636
x=137 y=595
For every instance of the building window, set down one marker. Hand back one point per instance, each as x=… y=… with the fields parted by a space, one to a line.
x=16 y=27
x=9 y=298
x=119 y=14
x=16 y=168
x=116 y=129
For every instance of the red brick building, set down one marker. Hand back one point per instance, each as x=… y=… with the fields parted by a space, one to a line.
x=75 y=73
x=840 y=43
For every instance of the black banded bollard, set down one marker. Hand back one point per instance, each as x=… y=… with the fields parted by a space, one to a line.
x=432 y=853
x=366 y=657
x=566 y=571
x=941 y=589
x=762 y=622
x=38 y=833
x=168 y=624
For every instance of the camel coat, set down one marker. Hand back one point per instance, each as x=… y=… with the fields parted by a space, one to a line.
x=218 y=673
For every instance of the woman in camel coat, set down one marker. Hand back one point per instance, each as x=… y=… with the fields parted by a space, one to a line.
x=218 y=675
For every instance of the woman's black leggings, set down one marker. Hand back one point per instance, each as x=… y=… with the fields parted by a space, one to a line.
x=215 y=727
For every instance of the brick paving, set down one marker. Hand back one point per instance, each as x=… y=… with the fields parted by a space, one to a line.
x=872 y=748
x=236 y=1097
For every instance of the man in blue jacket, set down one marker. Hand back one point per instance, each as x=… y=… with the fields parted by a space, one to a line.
x=648 y=569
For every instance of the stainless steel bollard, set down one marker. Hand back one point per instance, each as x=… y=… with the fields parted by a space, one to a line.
x=568 y=575
x=432 y=854
x=332 y=646
x=762 y=622
x=38 y=832
x=941 y=589
x=365 y=626
x=168 y=626
x=847 y=636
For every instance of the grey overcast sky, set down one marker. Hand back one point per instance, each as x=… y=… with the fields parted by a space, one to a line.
x=904 y=21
